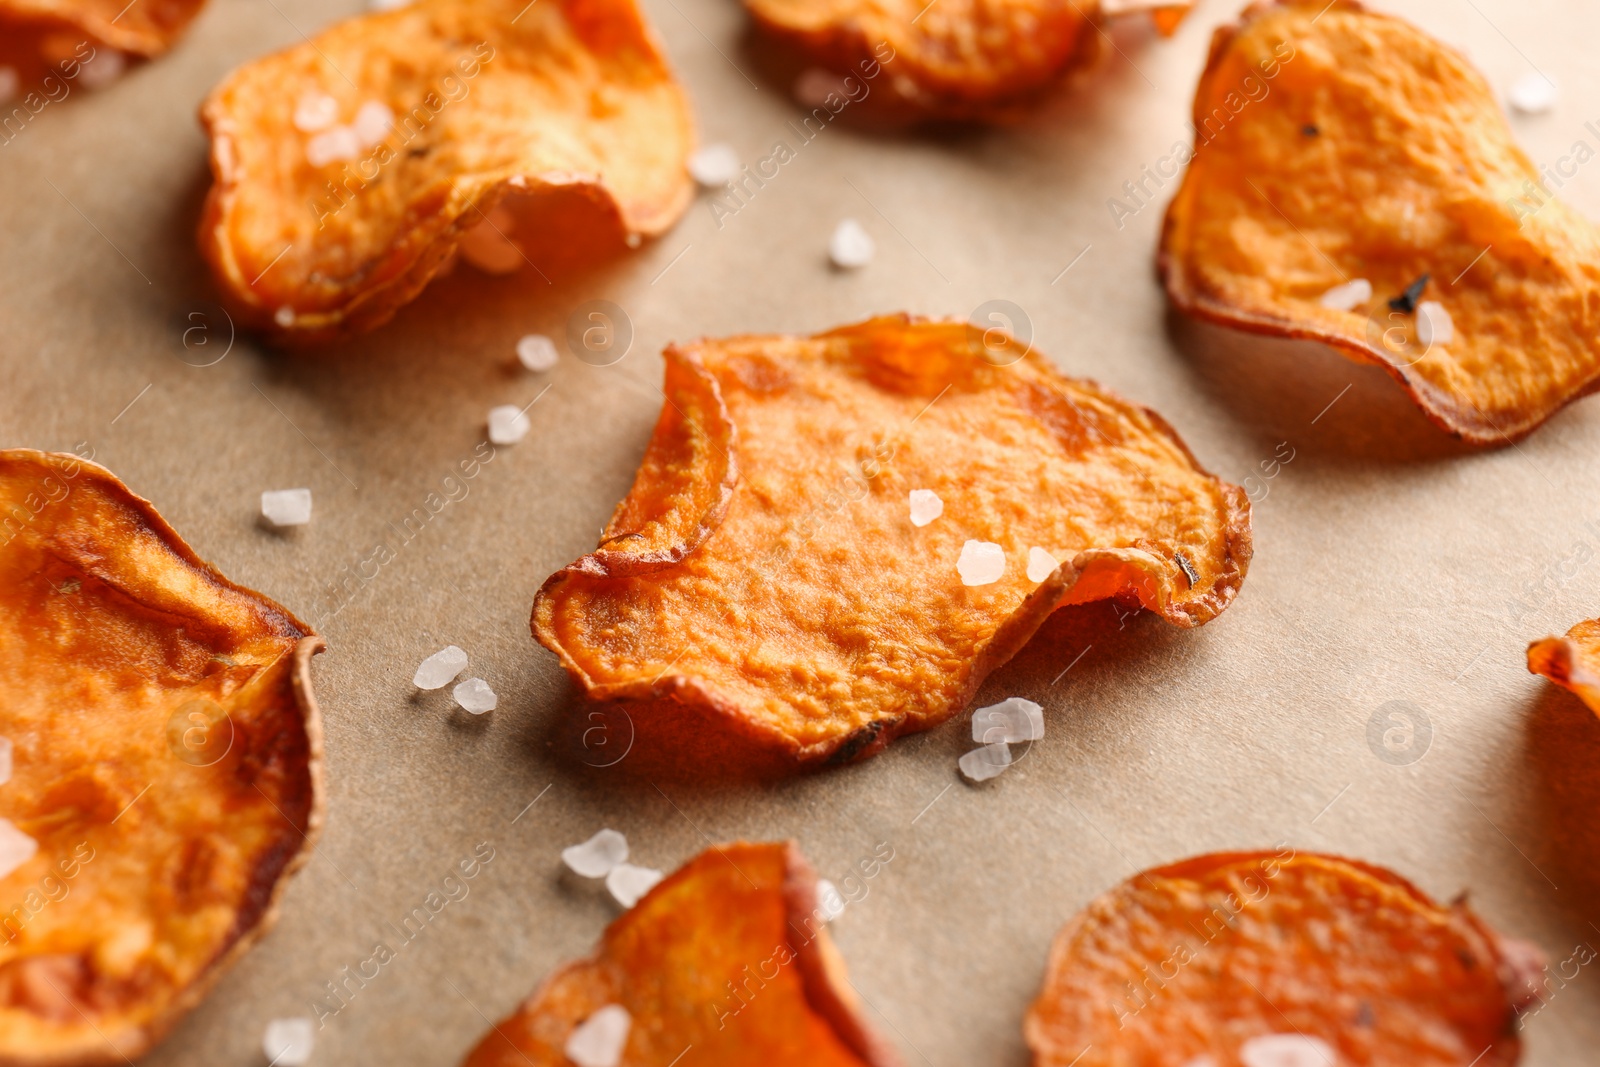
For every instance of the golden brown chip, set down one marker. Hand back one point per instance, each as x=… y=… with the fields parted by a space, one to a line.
x=1273 y=957
x=764 y=589
x=1337 y=147
x=39 y=33
x=165 y=754
x=728 y=956
x=954 y=59
x=506 y=116
x=1572 y=661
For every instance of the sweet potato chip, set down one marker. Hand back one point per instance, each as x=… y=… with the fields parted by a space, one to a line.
x=1354 y=182
x=348 y=169
x=763 y=581
x=1260 y=957
x=48 y=32
x=956 y=59
x=1572 y=661
x=162 y=760
x=728 y=956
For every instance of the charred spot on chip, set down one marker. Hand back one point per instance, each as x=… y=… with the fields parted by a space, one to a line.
x=1407 y=301
x=1309 y=130
x=1188 y=568
x=862 y=740
x=1571 y=661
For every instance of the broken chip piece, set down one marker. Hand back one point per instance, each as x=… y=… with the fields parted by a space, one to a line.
x=168 y=764
x=958 y=59
x=678 y=971
x=1265 y=957
x=1572 y=661
x=454 y=114
x=870 y=626
x=86 y=38
x=1310 y=174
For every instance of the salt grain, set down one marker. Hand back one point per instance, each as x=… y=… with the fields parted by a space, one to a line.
x=1013 y=719
x=628 y=883
x=981 y=563
x=815 y=85
x=830 y=902
x=286 y=507
x=287 y=1042
x=10 y=82
x=599 y=1040
x=440 y=669
x=475 y=696
x=598 y=856
x=1041 y=564
x=333 y=145
x=537 y=352
x=1433 y=324
x=1533 y=94
x=714 y=165
x=16 y=847
x=5 y=760
x=102 y=68
x=850 y=246
x=1287 y=1050
x=982 y=764
x=925 y=506
x=284 y=317
x=315 y=111
x=373 y=122
x=1347 y=297
x=508 y=424
x=488 y=245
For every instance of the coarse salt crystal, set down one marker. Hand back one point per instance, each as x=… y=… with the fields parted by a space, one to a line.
x=1533 y=94
x=714 y=165
x=16 y=847
x=284 y=317
x=440 y=669
x=815 y=85
x=850 y=246
x=1041 y=564
x=1013 y=719
x=287 y=1042
x=628 y=883
x=599 y=1040
x=830 y=902
x=508 y=424
x=1347 y=297
x=488 y=245
x=537 y=352
x=475 y=696
x=372 y=123
x=102 y=68
x=981 y=563
x=982 y=764
x=332 y=145
x=1287 y=1050
x=925 y=506
x=598 y=856
x=315 y=111
x=286 y=507
x=1433 y=324
x=10 y=82
x=5 y=760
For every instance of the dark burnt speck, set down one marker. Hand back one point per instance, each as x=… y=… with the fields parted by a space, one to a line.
x=1309 y=130
x=1407 y=301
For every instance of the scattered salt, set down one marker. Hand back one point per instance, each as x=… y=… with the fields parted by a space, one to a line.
x=982 y=764
x=815 y=85
x=5 y=760
x=508 y=424
x=102 y=68
x=488 y=245
x=1533 y=94
x=830 y=902
x=925 y=506
x=440 y=669
x=287 y=1042
x=628 y=883
x=475 y=696
x=1433 y=324
x=714 y=166
x=286 y=507
x=598 y=856
x=284 y=317
x=1349 y=296
x=1287 y=1050
x=599 y=1040
x=333 y=145
x=373 y=122
x=10 y=82
x=315 y=111
x=1013 y=719
x=850 y=246
x=1041 y=564
x=633 y=240
x=537 y=352
x=981 y=563
x=16 y=847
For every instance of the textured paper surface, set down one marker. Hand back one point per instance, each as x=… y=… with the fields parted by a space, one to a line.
x=1391 y=564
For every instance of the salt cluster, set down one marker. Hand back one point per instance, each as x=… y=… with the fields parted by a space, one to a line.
x=333 y=143
x=830 y=902
x=1041 y=564
x=1433 y=324
x=508 y=424
x=537 y=352
x=596 y=857
x=925 y=506
x=286 y=507
x=714 y=166
x=1287 y=1050
x=1349 y=296
x=1533 y=94
x=16 y=847
x=981 y=563
x=475 y=696
x=287 y=1042
x=984 y=763
x=314 y=112
x=598 y=1041
x=628 y=883
x=440 y=669
x=1013 y=719
x=850 y=246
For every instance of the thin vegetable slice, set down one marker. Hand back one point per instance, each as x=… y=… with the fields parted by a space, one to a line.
x=1572 y=661
x=48 y=32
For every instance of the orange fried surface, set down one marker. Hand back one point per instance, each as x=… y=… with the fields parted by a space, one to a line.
x=1572 y=661
x=320 y=221
x=165 y=755
x=1340 y=145
x=1201 y=958
x=145 y=28
x=764 y=573
x=726 y=963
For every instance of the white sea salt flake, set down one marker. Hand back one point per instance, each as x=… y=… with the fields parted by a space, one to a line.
x=628 y=883
x=599 y=1040
x=102 y=68
x=714 y=165
x=10 y=82
x=373 y=122
x=287 y=1042
x=315 y=111
x=596 y=857
x=1287 y=1050
x=284 y=317
x=508 y=424
x=537 y=352
x=925 y=506
x=1533 y=94
x=982 y=764
x=1349 y=296
x=1013 y=719
x=286 y=507
x=488 y=245
x=633 y=240
x=1041 y=564
x=16 y=847
x=332 y=145
x=981 y=563
x=1433 y=324
x=850 y=246
x=475 y=695
x=5 y=760
x=830 y=902
x=815 y=85
x=440 y=669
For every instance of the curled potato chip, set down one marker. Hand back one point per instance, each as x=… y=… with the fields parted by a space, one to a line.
x=762 y=588
x=1272 y=957
x=1354 y=182
x=348 y=170
x=1572 y=661
x=165 y=758
x=956 y=59
x=728 y=956
x=50 y=31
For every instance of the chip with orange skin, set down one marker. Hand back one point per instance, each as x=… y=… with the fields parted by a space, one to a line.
x=506 y=116
x=39 y=34
x=954 y=59
x=1337 y=145
x=1304 y=958
x=166 y=763
x=729 y=956
x=1572 y=661
x=762 y=589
